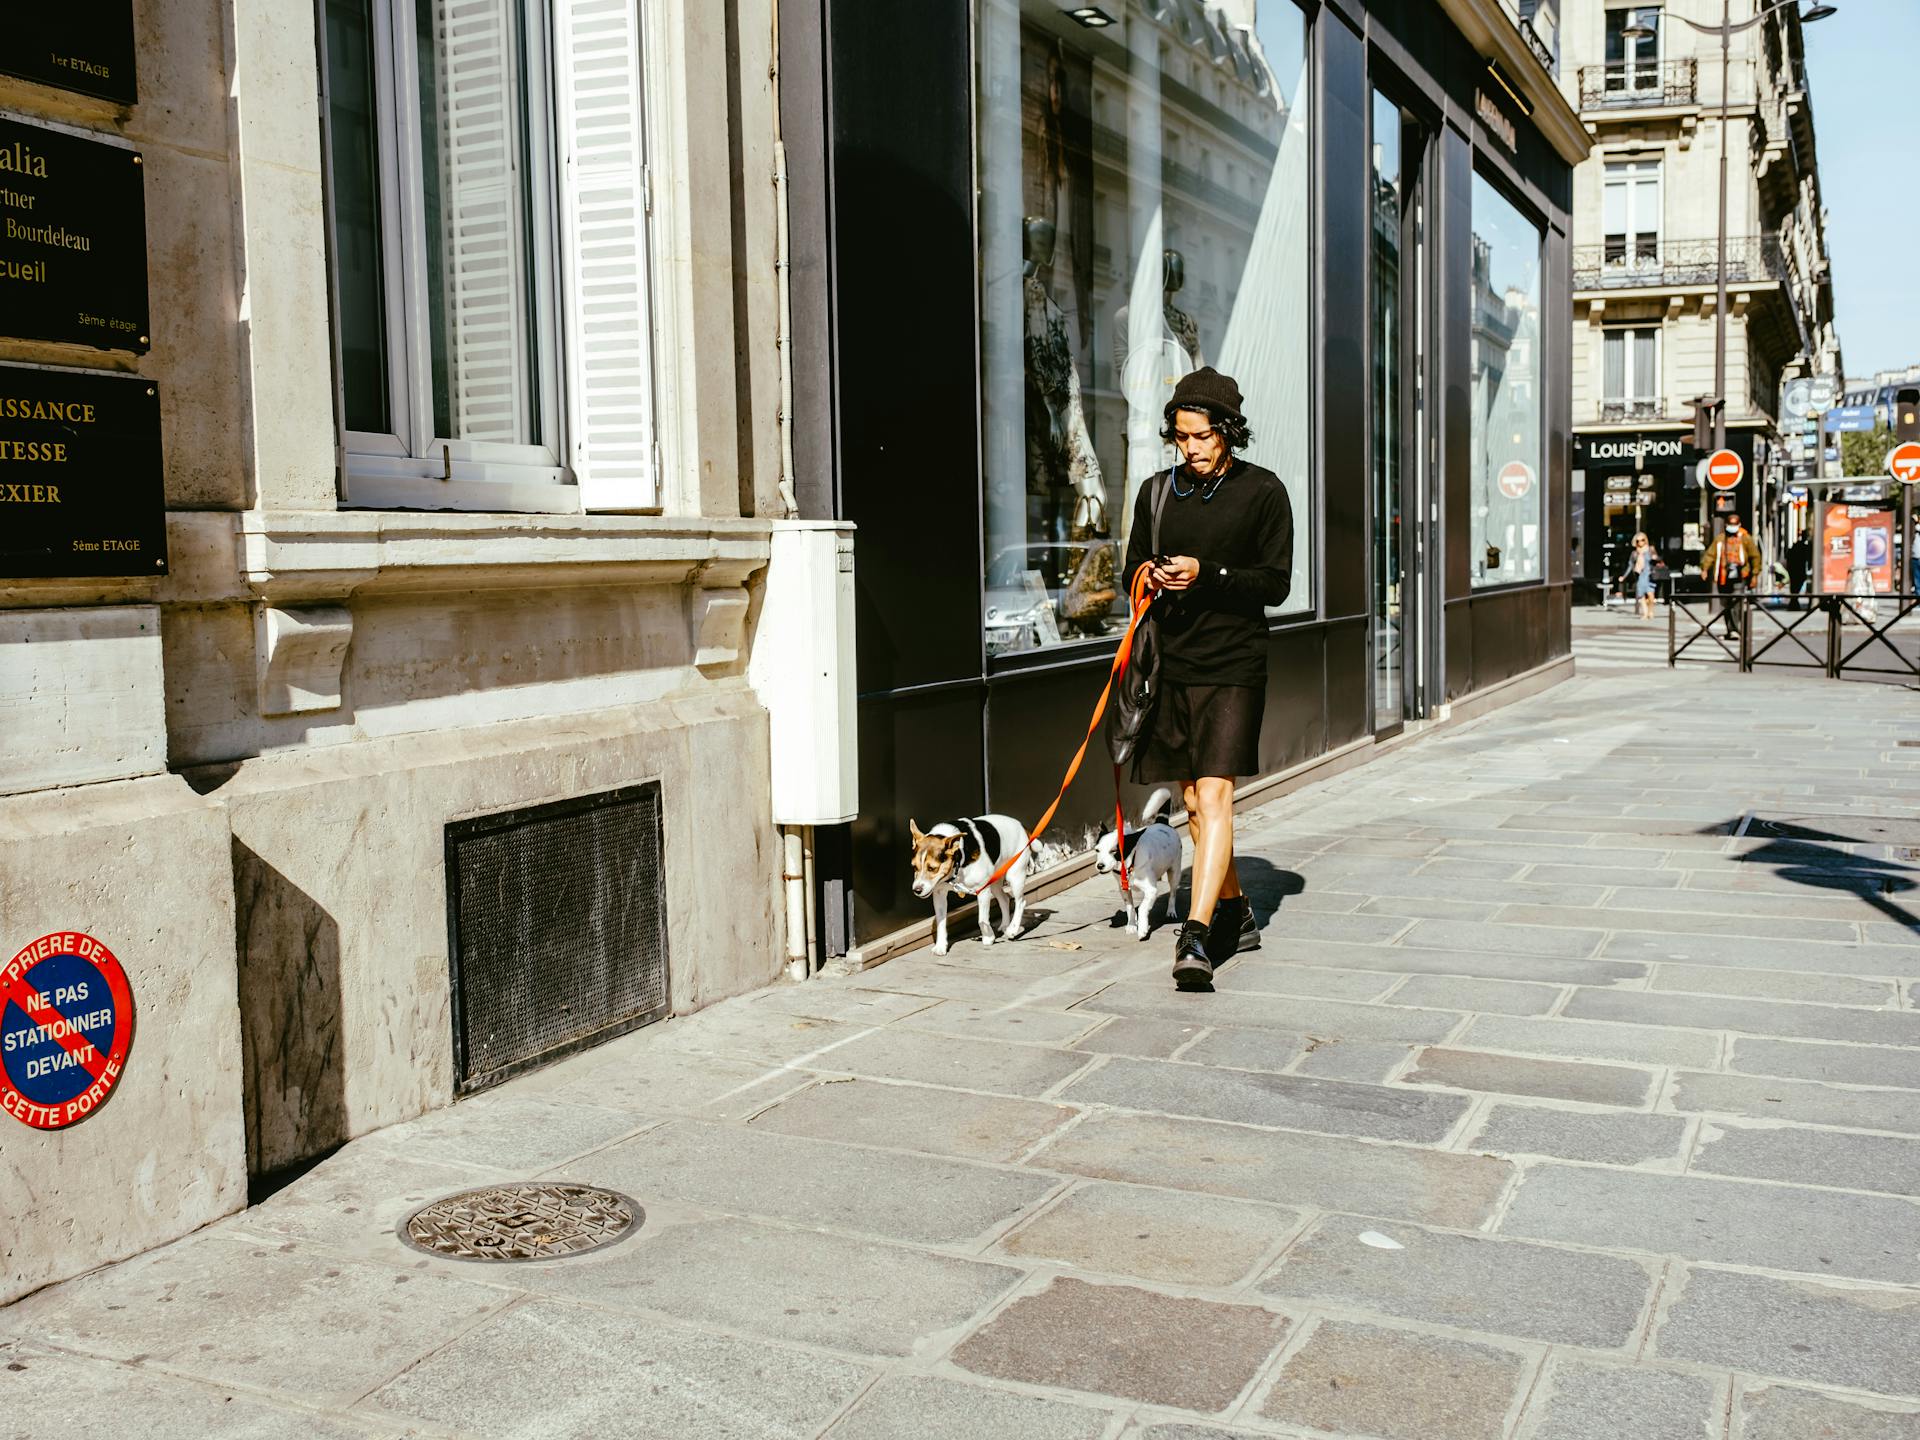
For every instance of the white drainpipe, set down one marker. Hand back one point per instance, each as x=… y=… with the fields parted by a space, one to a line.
x=782 y=263
x=813 y=942
x=793 y=876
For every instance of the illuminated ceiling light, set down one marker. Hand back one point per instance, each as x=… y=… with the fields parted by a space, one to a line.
x=1092 y=16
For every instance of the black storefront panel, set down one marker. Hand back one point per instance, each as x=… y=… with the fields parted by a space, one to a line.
x=920 y=759
x=1295 y=729
x=1348 y=677
x=1511 y=632
x=1345 y=228
x=903 y=311
x=1455 y=355
x=1457 y=628
x=1559 y=391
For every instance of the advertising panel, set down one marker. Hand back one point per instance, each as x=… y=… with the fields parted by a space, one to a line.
x=1856 y=535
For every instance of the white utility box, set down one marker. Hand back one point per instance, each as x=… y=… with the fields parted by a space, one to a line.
x=803 y=671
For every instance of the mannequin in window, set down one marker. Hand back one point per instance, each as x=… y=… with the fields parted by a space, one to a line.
x=1061 y=464
x=1148 y=366
x=1181 y=328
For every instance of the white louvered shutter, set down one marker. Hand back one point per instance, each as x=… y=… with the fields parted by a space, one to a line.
x=483 y=184
x=605 y=265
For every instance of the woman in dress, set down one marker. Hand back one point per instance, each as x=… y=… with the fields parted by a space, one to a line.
x=1639 y=574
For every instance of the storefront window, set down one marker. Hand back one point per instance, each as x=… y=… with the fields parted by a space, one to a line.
x=1507 y=420
x=1144 y=207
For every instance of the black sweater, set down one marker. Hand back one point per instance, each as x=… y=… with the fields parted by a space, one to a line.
x=1215 y=632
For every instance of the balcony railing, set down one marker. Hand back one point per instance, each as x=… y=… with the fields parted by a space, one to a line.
x=1622 y=264
x=1617 y=412
x=1627 y=85
x=1542 y=51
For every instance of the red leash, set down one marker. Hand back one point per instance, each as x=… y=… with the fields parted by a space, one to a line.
x=1139 y=601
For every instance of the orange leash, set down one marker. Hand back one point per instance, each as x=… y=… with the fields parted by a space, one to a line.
x=1139 y=601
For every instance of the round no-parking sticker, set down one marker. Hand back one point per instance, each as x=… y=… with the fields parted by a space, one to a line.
x=66 y=1024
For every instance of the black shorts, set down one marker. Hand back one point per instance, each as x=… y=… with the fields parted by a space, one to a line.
x=1202 y=730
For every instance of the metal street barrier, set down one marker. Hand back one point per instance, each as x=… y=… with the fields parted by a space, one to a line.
x=1777 y=630
x=1867 y=609
x=1771 y=634
x=1682 y=607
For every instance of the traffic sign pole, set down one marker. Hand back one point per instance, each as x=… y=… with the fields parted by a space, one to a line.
x=1903 y=464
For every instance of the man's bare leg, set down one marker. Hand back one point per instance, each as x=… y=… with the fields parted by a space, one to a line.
x=1210 y=818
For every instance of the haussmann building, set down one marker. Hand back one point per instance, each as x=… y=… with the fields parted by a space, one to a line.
x=1017 y=222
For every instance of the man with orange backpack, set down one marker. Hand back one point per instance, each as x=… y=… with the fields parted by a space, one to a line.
x=1731 y=564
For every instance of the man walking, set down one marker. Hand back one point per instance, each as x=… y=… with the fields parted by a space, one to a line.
x=1731 y=563
x=1226 y=541
x=1799 y=563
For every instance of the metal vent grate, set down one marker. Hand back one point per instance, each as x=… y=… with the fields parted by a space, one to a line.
x=557 y=924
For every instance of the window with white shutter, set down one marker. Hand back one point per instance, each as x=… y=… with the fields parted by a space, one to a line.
x=487 y=181
x=478 y=225
x=603 y=141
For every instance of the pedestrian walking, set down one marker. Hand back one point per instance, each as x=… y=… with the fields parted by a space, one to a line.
x=1226 y=555
x=1731 y=563
x=1799 y=564
x=1641 y=563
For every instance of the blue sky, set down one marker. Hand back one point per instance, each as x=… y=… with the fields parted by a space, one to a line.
x=1860 y=67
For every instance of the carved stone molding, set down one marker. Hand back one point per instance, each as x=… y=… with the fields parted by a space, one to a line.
x=719 y=623
x=317 y=557
x=298 y=655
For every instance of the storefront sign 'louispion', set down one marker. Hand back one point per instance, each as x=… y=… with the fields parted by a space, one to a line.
x=85 y=46
x=73 y=239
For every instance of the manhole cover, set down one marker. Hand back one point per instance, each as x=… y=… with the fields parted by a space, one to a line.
x=522 y=1222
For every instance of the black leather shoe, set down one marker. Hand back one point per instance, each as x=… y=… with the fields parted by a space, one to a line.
x=1233 y=929
x=1192 y=970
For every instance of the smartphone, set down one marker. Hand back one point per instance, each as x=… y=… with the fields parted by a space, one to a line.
x=1160 y=562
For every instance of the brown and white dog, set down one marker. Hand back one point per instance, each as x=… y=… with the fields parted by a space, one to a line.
x=960 y=855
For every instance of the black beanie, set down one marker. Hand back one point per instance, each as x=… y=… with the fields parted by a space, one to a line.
x=1208 y=388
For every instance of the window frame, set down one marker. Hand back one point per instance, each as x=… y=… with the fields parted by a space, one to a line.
x=1308 y=527
x=409 y=466
x=1506 y=189
x=1627 y=334
x=1629 y=176
x=1639 y=59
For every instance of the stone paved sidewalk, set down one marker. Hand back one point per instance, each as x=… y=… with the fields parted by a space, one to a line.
x=1571 y=1097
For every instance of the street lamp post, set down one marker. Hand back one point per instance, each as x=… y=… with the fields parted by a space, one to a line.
x=1726 y=30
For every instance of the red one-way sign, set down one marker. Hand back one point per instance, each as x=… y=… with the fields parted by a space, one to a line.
x=1903 y=462
x=1724 y=469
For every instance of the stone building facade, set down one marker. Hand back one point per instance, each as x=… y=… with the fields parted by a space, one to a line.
x=1645 y=261
x=464 y=337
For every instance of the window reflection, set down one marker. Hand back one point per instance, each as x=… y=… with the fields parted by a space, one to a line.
x=1506 y=481
x=1144 y=211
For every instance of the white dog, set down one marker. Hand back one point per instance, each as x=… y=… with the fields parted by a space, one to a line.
x=1153 y=861
x=960 y=855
